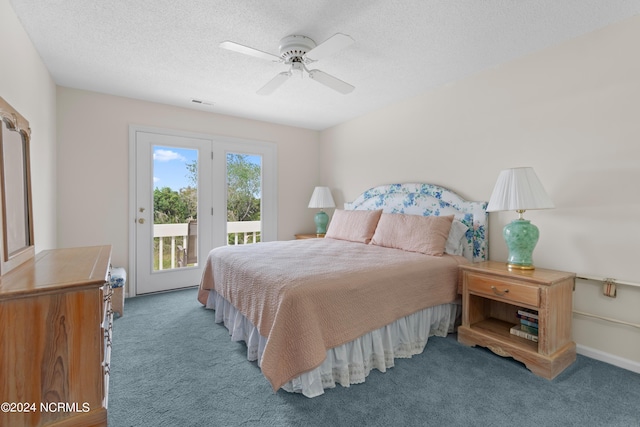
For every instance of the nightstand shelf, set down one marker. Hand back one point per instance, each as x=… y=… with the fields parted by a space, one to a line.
x=491 y=297
x=498 y=330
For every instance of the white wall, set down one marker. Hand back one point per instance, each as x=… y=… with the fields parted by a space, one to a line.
x=26 y=84
x=93 y=150
x=573 y=113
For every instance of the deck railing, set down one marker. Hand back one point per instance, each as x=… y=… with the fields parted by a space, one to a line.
x=238 y=232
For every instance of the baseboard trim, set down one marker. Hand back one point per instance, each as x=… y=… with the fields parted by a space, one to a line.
x=609 y=358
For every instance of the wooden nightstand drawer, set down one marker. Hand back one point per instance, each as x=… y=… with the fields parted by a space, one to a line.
x=504 y=290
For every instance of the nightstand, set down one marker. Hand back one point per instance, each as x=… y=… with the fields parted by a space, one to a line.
x=492 y=294
x=309 y=236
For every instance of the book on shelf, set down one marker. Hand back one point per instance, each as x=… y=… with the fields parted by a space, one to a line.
x=526 y=313
x=517 y=331
x=527 y=318
x=529 y=323
x=530 y=329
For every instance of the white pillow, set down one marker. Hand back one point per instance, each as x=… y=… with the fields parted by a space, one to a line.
x=455 y=242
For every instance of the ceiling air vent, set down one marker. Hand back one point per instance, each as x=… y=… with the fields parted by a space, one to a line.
x=201 y=102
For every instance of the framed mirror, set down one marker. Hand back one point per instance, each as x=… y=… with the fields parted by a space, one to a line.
x=17 y=241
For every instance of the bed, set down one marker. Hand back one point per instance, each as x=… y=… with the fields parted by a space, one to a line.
x=319 y=312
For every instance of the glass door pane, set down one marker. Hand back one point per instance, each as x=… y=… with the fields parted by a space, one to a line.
x=175 y=207
x=244 y=198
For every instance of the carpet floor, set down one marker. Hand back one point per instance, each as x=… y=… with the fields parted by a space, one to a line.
x=171 y=365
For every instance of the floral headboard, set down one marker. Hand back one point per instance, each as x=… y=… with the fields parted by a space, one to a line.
x=429 y=199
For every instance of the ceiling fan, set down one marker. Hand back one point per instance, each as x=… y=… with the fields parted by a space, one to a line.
x=297 y=52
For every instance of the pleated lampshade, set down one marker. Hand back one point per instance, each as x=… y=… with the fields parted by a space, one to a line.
x=518 y=189
x=321 y=198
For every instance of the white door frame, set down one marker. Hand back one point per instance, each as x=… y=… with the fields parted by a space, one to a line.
x=269 y=212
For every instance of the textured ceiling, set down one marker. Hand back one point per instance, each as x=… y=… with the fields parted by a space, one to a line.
x=168 y=51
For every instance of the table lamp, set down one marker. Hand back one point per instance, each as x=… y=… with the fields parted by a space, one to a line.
x=321 y=199
x=519 y=189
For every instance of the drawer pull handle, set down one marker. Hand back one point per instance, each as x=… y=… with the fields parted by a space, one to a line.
x=499 y=293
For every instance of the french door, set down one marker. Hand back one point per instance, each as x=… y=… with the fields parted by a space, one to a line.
x=185 y=200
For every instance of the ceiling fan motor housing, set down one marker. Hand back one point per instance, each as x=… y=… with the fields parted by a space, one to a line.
x=293 y=48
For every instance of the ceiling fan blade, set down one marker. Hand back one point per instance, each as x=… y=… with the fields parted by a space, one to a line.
x=330 y=46
x=274 y=83
x=330 y=81
x=233 y=46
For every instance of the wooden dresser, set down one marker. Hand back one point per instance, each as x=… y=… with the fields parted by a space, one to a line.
x=55 y=339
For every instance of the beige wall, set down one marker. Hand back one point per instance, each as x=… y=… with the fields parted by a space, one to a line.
x=573 y=113
x=26 y=84
x=93 y=151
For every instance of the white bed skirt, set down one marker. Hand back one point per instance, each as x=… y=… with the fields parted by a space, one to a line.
x=349 y=363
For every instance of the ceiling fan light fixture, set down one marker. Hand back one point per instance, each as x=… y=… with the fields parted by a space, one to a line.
x=297 y=69
x=296 y=51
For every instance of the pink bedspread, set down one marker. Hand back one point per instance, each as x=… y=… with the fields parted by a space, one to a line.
x=308 y=296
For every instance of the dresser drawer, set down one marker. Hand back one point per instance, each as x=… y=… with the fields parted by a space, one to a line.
x=503 y=290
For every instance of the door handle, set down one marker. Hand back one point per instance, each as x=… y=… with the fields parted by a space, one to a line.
x=141 y=220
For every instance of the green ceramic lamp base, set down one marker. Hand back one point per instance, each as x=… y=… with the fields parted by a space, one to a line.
x=521 y=237
x=321 y=219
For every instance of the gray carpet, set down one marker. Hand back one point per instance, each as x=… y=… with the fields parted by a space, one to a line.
x=171 y=365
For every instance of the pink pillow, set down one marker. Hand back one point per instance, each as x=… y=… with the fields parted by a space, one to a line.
x=413 y=233
x=355 y=226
